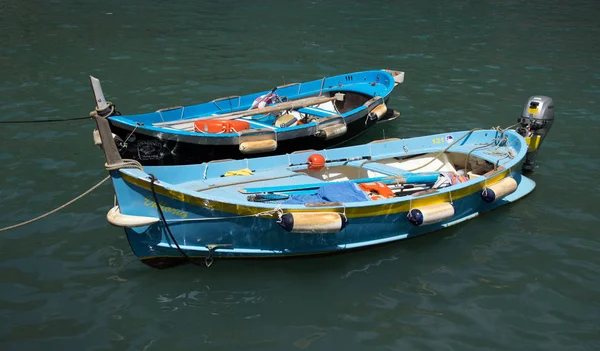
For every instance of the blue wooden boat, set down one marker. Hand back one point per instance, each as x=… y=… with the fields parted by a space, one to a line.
x=316 y=114
x=316 y=202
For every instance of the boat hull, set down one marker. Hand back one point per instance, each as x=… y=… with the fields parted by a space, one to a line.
x=155 y=149
x=326 y=112
x=226 y=236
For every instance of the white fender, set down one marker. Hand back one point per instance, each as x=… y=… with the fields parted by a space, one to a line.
x=431 y=214
x=256 y=146
x=499 y=190
x=378 y=112
x=313 y=222
x=97 y=140
x=116 y=218
x=332 y=131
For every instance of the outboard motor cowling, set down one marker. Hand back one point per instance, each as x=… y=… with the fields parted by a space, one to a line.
x=534 y=124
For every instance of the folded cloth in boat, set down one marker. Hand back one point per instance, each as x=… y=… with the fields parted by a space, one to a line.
x=239 y=172
x=335 y=192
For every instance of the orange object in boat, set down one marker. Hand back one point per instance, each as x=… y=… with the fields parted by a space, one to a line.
x=214 y=126
x=377 y=190
x=316 y=162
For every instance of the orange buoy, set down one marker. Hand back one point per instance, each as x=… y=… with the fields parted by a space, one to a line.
x=316 y=162
x=217 y=126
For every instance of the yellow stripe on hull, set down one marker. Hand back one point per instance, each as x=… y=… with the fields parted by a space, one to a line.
x=351 y=212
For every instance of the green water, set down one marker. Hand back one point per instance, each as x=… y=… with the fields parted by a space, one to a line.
x=524 y=277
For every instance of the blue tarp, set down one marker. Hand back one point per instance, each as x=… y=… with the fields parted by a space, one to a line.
x=335 y=192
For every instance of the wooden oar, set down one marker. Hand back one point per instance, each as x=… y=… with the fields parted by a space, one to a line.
x=288 y=105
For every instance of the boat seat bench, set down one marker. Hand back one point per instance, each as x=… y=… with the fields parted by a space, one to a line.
x=318 y=112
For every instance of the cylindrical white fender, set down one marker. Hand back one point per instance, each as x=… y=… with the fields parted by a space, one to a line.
x=431 y=214
x=96 y=136
x=332 y=131
x=116 y=218
x=313 y=222
x=98 y=141
x=256 y=146
x=378 y=112
x=499 y=190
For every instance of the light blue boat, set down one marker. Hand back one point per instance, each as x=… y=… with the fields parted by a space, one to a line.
x=316 y=114
x=316 y=202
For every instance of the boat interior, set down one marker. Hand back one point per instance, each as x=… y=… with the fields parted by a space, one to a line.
x=379 y=180
x=275 y=120
x=276 y=114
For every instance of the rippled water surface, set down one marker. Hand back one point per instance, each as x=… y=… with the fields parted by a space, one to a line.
x=524 y=277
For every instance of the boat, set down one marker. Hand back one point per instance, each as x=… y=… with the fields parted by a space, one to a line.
x=312 y=202
x=316 y=114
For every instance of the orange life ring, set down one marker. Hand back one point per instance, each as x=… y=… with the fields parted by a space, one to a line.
x=213 y=126
x=377 y=190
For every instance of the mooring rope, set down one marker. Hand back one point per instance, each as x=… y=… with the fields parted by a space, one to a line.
x=56 y=209
x=46 y=120
x=127 y=163
x=476 y=148
x=153 y=179
x=501 y=130
x=494 y=141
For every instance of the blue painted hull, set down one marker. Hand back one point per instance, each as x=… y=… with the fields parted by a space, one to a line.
x=208 y=213
x=143 y=138
x=252 y=237
x=187 y=153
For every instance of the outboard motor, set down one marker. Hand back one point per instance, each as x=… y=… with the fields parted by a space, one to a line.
x=535 y=123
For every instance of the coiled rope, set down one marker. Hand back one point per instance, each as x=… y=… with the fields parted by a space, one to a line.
x=126 y=163
x=500 y=130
